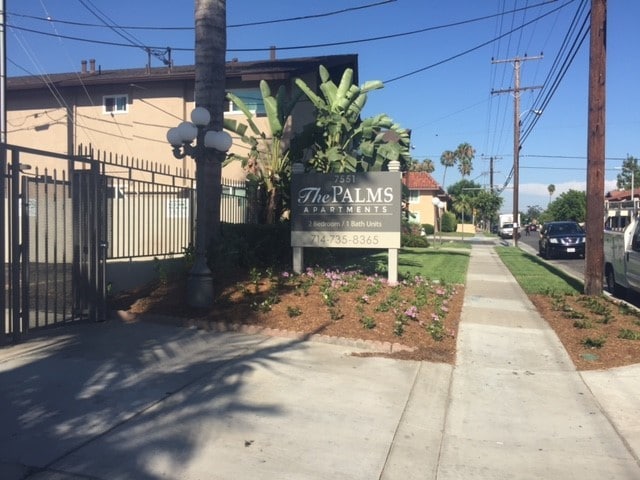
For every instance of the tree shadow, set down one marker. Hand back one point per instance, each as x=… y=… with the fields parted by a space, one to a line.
x=78 y=397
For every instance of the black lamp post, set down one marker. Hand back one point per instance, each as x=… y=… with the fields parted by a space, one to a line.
x=200 y=281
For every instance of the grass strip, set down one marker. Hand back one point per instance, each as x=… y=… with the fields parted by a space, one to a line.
x=536 y=276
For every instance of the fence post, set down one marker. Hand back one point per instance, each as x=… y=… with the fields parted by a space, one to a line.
x=16 y=248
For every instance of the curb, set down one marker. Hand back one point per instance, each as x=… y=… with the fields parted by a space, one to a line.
x=224 y=327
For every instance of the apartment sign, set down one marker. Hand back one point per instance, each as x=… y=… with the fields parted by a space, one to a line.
x=355 y=210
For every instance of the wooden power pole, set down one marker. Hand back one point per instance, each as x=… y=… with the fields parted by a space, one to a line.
x=516 y=135
x=594 y=259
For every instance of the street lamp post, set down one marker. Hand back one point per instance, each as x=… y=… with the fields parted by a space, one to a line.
x=200 y=280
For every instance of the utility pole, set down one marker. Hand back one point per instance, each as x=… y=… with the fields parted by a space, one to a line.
x=594 y=256
x=491 y=172
x=516 y=133
x=3 y=73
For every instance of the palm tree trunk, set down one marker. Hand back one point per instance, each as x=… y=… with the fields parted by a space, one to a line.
x=210 y=50
x=211 y=45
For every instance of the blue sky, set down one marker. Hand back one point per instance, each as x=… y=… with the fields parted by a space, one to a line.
x=447 y=101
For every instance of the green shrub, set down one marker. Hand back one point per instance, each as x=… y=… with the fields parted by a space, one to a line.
x=449 y=223
x=628 y=334
x=428 y=228
x=413 y=241
x=594 y=342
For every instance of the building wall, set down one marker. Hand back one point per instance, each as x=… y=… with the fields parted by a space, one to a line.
x=76 y=116
x=424 y=207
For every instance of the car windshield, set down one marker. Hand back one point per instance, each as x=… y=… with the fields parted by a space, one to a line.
x=565 y=228
x=507 y=225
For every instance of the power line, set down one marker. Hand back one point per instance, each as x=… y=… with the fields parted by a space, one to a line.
x=328 y=44
x=191 y=28
x=561 y=64
x=308 y=17
x=477 y=47
x=551 y=85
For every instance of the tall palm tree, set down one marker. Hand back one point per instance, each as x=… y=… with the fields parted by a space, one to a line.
x=463 y=204
x=464 y=155
x=447 y=159
x=551 y=189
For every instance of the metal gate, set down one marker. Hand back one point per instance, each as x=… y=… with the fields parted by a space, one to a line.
x=53 y=252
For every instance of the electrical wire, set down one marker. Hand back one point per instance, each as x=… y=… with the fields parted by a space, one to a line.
x=133 y=42
x=191 y=28
x=566 y=54
x=304 y=47
x=479 y=46
x=561 y=66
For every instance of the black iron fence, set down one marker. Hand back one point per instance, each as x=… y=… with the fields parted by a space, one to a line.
x=52 y=255
x=68 y=218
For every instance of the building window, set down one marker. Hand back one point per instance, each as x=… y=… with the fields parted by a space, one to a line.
x=414 y=196
x=115 y=104
x=252 y=99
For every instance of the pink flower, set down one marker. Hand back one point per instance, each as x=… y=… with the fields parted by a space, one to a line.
x=411 y=312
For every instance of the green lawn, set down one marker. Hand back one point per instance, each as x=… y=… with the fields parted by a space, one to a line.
x=449 y=264
x=446 y=265
x=536 y=276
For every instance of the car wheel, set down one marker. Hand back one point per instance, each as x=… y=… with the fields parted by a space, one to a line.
x=613 y=287
x=540 y=251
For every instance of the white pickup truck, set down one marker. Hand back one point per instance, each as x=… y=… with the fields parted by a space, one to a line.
x=622 y=258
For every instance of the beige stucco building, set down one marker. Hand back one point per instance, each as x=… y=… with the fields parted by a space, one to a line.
x=128 y=112
x=423 y=189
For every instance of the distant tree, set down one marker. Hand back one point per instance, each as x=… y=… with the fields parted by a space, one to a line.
x=447 y=159
x=464 y=155
x=570 y=205
x=551 y=189
x=463 y=205
x=629 y=165
x=468 y=187
x=487 y=205
x=532 y=214
x=424 y=166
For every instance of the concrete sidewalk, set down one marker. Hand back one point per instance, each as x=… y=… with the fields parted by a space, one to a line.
x=145 y=401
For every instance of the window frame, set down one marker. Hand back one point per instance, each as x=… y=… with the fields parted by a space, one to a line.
x=230 y=108
x=115 y=98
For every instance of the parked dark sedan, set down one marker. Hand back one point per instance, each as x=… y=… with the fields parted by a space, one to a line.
x=561 y=238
